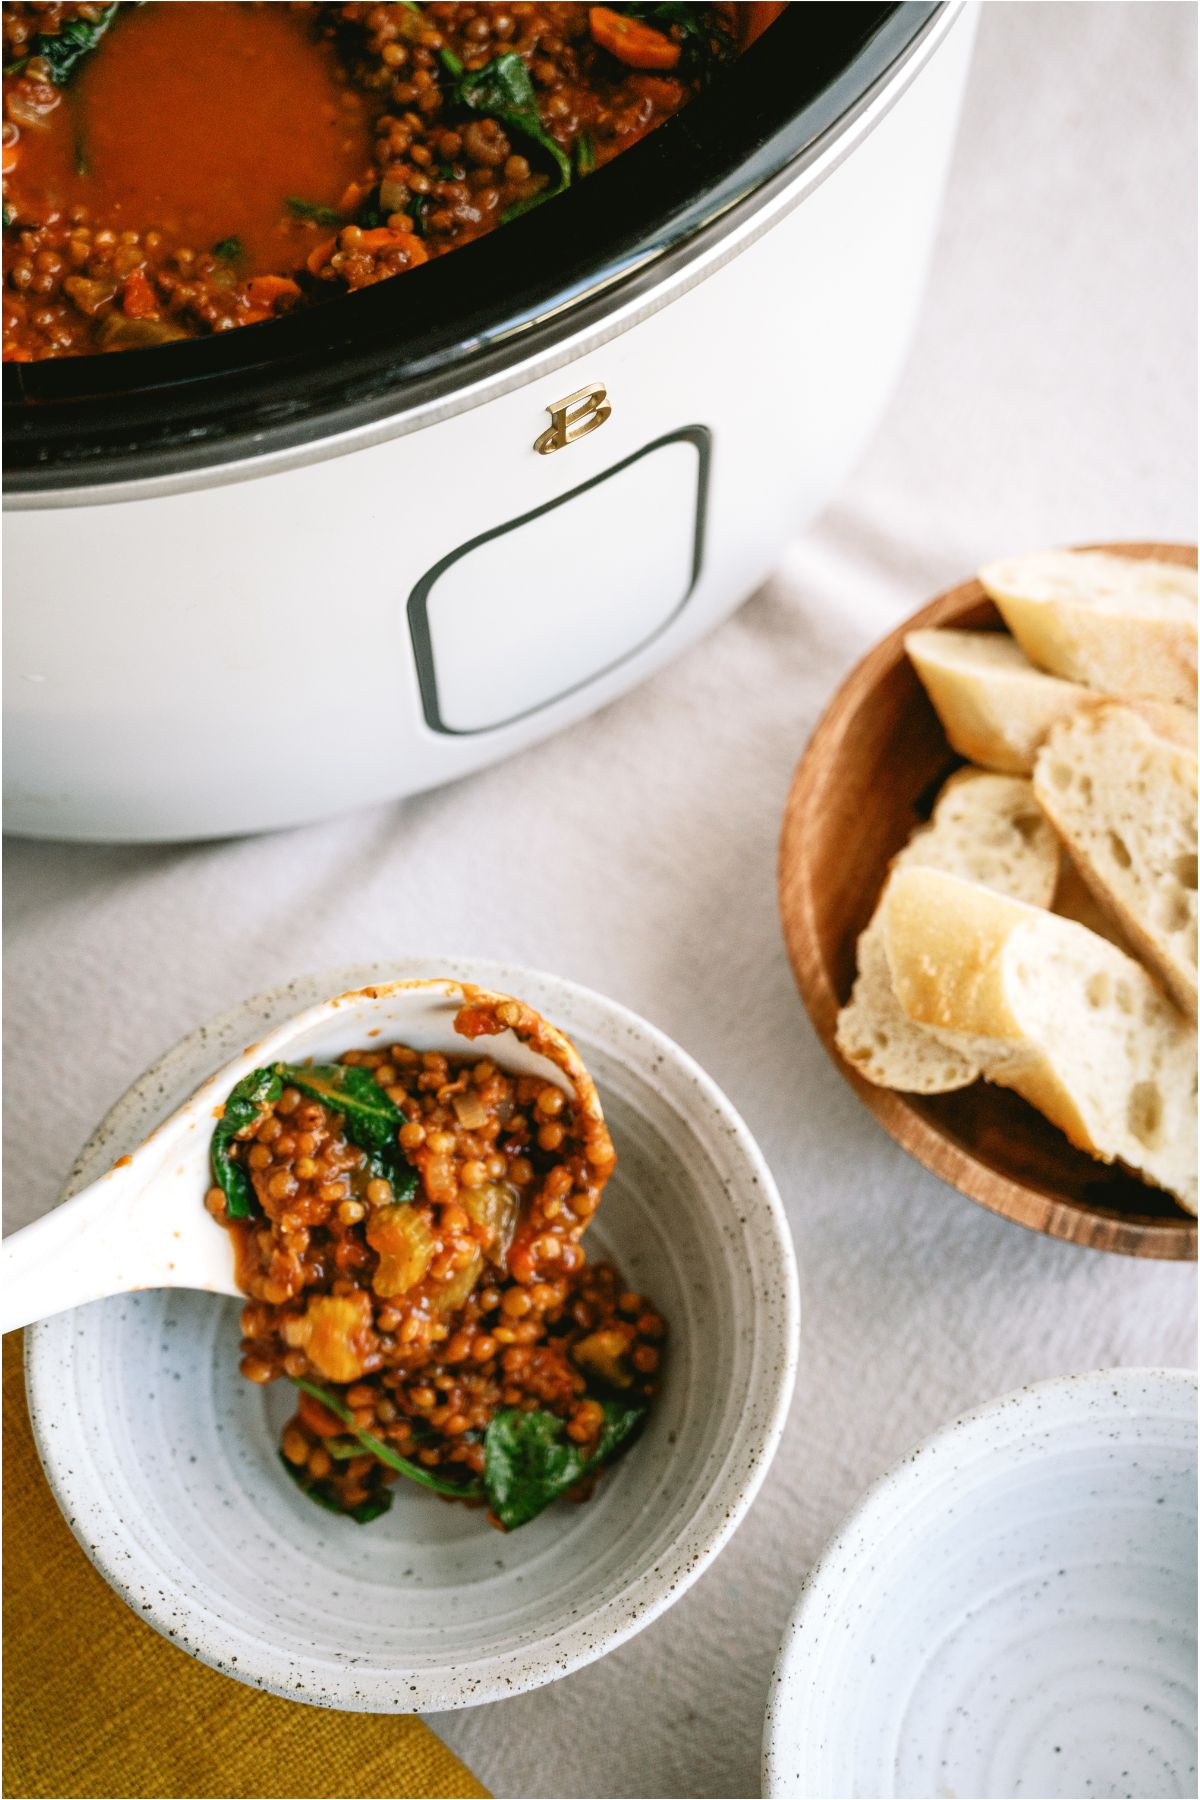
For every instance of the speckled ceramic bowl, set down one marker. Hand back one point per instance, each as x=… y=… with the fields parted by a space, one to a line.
x=1011 y=1611
x=164 y=1460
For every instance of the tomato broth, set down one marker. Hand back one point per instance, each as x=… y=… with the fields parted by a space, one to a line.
x=154 y=132
x=180 y=168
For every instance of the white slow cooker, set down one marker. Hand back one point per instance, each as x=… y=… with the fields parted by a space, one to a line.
x=260 y=578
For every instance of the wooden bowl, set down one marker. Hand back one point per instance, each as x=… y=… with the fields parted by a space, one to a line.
x=870 y=773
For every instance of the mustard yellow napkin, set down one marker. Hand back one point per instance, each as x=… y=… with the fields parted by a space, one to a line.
x=97 y=1703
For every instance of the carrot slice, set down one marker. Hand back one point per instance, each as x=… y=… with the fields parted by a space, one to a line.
x=317 y=258
x=318 y=1418
x=138 y=298
x=264 y=290
x=631 y=41
x=665 y=92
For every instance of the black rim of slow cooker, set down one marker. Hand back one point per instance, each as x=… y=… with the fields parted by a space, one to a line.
x=360 y=358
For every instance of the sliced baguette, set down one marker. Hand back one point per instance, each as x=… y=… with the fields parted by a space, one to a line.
x=988 y=828
x=1074 y=899
x=1123 y=801
x=996 y=707
x=1123 y=625
x=1047 y=1008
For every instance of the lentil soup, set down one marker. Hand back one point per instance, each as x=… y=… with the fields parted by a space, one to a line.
x=407 y=1229
x=177 y=169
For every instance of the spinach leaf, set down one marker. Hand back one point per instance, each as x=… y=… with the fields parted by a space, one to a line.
x=351 y=1091
x=229 y=249
x=370 y=213
x=9 y=216
x=243 y=1107
x=503 y=90
x=64 y=50
x=309 y=209
x=373 y=1507
x=705 y=42
x=446 y=57
x=520 y=207
x=384 y=1452
x=344 y=1449
x=324 y=1495
x=371 y=1119
x=531 y=1460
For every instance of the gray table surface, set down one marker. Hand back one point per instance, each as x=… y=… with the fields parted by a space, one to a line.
x=1049 y=397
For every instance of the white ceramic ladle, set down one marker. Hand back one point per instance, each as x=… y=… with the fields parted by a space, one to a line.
x=144 y=1223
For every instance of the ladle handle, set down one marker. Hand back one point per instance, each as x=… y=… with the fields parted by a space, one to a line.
x=128 y=1230
x=80 y=1251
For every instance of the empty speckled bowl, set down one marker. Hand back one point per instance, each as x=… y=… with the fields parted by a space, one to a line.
x=1010 y=1612
x=164 y=1460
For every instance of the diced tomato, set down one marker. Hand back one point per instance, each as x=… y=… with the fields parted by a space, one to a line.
x=138 y=298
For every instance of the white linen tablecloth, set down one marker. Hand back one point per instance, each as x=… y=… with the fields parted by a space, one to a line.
x=1049 y=398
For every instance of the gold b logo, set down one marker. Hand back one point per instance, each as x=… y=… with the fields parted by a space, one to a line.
x=573 y=418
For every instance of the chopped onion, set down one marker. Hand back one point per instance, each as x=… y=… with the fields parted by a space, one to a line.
x=450 y=1296
x=469 y=1110
x=24 y=111
x=496 y=1209
x=89 y=296
x=406 y=1247
x=134 y=334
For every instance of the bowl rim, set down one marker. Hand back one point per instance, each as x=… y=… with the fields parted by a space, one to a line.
x=1167 y=1238
x=993 y=1423
x=622 y=1613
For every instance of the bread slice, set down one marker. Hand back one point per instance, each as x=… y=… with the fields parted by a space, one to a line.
x=1123 y=625
x=996 y=707
x=1074 y=899
x=990 y=829
x=1123 y=801
x=1047 y=1008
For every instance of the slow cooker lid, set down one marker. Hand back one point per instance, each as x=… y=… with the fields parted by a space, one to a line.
x=327 y=368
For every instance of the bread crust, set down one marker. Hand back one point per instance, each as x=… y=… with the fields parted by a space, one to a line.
x=997 y=708
x=994 y=706
x=990 y=826
x=1066 y=612
x=1117 y=754
x=965 y=962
